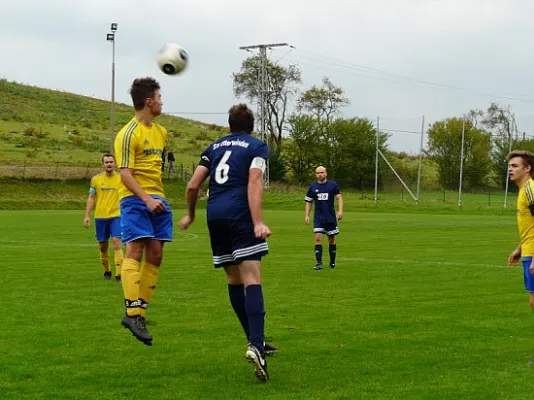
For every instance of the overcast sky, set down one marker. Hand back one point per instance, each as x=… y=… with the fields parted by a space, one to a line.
x=397 y=59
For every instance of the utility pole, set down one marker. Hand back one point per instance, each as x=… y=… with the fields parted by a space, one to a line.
x=111 y=38
x=263 y=92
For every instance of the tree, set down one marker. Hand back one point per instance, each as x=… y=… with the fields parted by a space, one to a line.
x=501 y=122
x=445 y=146
x=323 y=102
x=475 y=116
x=302 y=152
x=355 y=165
x=281 y=86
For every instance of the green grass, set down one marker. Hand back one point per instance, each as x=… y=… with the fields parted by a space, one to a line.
x=421 y=306
x=38 y=194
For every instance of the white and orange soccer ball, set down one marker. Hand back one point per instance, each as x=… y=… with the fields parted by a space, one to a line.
x=172 y=59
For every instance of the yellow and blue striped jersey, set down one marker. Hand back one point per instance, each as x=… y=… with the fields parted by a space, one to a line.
x=525 y=218
x=106 y=190
x=139 y=148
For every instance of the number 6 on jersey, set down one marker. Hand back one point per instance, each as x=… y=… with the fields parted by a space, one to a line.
x=222 y=170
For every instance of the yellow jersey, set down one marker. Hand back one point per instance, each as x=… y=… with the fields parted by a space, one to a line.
x=106 y=190
x=140 y=148
x=525 y=218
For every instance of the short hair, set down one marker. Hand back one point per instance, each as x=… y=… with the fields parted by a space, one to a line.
x=108 y=155
x=241 y=119
x=525 y=155
x=142 y=89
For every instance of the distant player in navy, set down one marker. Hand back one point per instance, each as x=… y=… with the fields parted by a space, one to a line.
x=322 y=193
x=235 y=165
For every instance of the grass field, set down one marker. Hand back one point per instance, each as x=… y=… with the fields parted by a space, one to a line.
x=421 y=306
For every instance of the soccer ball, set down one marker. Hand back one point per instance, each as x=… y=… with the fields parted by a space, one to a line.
x=172 y=59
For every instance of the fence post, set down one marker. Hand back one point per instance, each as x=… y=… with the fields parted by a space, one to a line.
x=57 y=167
x=24 y=170
x=444 y=195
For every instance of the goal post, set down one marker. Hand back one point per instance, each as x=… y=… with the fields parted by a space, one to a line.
x=379 y=154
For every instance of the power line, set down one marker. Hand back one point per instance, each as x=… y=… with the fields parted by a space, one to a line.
x=394 y=77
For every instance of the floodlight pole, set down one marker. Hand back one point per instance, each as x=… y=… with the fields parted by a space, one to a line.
x=111 y=38
x=263 y=119
x=420 y=160
x=376 y=158
x=461 y=165
x=507 y=176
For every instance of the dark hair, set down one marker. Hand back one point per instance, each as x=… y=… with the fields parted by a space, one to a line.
x=107 y=155
x=527 y=156
x=142 y=89
x=241 y=119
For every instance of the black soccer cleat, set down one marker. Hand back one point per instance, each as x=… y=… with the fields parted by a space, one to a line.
x=332 y=266
x=117 y=278
x=254 y=356
x=107 y=275
x=137 y=325
x=318 y=267
x=269 y=349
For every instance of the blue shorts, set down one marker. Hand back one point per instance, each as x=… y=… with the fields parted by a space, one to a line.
x=328 y=228
x=107 y=227
x=233 y=241
x=138 y=222
x=527 y=276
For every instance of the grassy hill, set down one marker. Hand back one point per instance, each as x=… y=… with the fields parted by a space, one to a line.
x=50 y=126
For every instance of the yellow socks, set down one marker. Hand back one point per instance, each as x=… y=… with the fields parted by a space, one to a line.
x=119 y=257
x=149 y=278
x=130 y=276
x=104 y=260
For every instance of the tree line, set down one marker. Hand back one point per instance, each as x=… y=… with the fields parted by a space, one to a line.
x=314 y=134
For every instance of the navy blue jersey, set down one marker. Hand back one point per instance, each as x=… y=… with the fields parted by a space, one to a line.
x=323 y=195
x=229 y=160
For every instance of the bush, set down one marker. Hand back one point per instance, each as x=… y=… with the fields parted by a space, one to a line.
x=277 y=168
x=203 y=135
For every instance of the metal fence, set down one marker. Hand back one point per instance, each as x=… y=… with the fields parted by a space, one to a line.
x=70 y=171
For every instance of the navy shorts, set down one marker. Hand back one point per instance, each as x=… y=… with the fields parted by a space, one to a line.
x=233 y=241
x=107 y=227
x=527 y=276
x=138 y=222
x=328 y=228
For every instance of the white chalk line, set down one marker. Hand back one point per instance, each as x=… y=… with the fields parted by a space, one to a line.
x=421 y=262
x=33 y=244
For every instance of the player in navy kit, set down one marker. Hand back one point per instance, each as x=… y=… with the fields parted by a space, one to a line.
x=322 y=193
x=235 y=165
